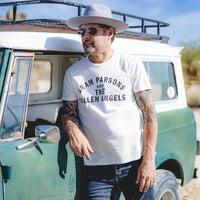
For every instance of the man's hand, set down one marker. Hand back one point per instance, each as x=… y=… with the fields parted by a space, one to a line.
x=79 y=143
x=146 y=175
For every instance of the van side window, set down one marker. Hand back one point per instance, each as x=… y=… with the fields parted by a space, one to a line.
x=162 y=78
x=41 y=77
x=15 y=109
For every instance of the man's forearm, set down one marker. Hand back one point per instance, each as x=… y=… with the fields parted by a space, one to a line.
x=150 y=130
x=70 y=119
x=150 y=139
x=69 y=116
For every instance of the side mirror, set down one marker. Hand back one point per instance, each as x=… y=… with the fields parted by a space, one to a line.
x=47 y=133
x=44 y=134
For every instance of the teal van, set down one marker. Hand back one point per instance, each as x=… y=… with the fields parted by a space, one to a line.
x=35 y=158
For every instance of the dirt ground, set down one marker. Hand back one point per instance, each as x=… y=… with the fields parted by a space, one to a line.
x=191 y=191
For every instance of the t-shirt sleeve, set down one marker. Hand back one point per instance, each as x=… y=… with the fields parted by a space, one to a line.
x=68 y=88
x=139 y=77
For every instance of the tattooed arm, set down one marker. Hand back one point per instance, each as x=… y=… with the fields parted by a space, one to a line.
x=70 y=120
x=147 y=170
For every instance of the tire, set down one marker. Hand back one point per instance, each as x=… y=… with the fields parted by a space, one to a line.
x=166 y=186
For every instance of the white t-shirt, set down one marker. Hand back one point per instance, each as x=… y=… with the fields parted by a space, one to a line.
x=109 y=115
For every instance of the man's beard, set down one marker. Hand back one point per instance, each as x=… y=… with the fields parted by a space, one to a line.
x=89 y=47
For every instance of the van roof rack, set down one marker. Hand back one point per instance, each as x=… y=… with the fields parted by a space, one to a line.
x=59 y=25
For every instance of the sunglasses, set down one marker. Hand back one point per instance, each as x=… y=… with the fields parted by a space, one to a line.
x=92 y=31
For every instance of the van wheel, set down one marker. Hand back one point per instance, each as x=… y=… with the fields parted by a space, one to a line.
x=166 y=186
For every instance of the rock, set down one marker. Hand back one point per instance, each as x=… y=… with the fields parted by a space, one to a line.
x=193 y=95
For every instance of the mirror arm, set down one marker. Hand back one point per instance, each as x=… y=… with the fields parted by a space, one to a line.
x=28 y=145
x=41 y=136
x=32 y=143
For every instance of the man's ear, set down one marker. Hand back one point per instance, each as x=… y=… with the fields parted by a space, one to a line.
x=111 y=31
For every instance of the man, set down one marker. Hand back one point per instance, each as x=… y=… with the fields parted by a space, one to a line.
x=104 y=95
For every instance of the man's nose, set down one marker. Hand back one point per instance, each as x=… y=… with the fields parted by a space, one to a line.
x=86 y=35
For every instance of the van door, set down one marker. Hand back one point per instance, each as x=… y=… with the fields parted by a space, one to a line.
x=37 y=172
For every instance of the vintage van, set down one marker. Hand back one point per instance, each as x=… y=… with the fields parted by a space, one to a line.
x=36 y=161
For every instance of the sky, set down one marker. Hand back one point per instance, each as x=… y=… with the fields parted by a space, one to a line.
x=182 y=15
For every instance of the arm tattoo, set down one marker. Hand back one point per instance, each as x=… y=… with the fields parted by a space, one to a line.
x=145 y=102
x=70 y=112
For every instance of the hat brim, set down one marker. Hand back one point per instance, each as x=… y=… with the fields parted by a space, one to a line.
x=76 y=22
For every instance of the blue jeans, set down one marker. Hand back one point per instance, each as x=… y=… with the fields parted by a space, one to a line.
x=107 y=182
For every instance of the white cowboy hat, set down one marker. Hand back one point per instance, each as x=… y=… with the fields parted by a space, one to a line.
x=97 y=14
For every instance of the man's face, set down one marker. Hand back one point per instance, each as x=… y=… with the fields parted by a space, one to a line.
x=94 y=38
